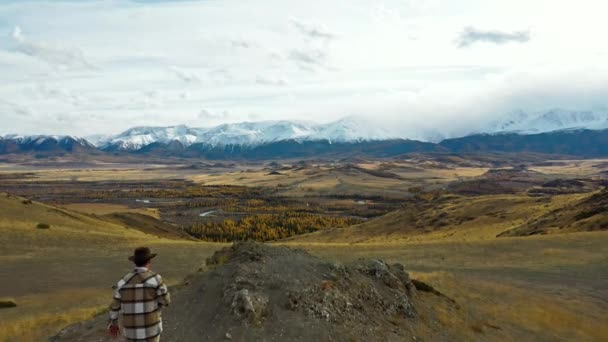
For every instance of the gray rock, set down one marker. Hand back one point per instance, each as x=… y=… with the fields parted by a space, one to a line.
x=249 y=305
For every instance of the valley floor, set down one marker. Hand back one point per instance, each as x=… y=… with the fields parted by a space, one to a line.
x=66 y=233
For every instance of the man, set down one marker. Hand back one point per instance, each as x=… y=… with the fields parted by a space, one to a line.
x=140 y=296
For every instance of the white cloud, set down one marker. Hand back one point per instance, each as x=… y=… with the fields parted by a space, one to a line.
x=265 y=80
x=241 y=43
x=108 y=65
x=312 y=30
x=16 y=109
x=59 y=56
x=471 y=35
x=308 y=56
x=186 y=76
x=208 y=118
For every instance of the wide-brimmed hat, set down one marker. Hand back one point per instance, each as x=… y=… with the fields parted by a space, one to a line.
x=142 y=254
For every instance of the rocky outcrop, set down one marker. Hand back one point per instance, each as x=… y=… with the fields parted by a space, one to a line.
x=259 y=292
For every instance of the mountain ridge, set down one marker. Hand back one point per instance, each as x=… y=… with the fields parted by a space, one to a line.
x=245 y=133
x=345 y=137
x=349 y=129
x=44 y=143
x=555 y=119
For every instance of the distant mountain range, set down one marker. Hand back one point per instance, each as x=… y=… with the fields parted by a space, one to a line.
x=248 y=134
x=548 y=121
x=49 y=144
x=580 y=133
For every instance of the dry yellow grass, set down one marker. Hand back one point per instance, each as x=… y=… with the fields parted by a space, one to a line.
x=105 y=208
x=19 y=219
x=466 y=219
x=37 y=327
x=413 y=171
x=503 y=305
x=577 y=168
x=64 y=274
x=322 y=180
x=510 y=289
x=101 y=172
x=541 y=287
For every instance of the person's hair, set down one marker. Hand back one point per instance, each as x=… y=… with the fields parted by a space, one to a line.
x=140 y=263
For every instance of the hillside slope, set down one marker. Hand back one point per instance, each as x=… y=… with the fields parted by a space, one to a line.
x=587 y=143
x=19 y=219
x=147 y=224
x=589 y=213
x=262 y=293
x=46 y=145
x=64 y=273
x=449 y=218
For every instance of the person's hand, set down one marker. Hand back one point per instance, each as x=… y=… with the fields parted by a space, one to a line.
x=113 y=329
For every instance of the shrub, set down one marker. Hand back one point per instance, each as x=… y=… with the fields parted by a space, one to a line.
x=5 y=304
x=267 y=227
x=43 y=226
x=27 y=201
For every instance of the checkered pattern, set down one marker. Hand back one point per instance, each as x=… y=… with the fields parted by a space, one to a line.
x=140 y=295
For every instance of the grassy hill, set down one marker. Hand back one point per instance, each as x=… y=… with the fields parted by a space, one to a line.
x=20 y=217
x=58 y=265
x=148 y=224
x=589 y=213
x=457 y=218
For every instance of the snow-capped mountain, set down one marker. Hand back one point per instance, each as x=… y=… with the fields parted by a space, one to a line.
x=278 y=137
x=137 y=137
x=38 y=140
x=44 y=143
x=246 y=133
x=350 y=129
x=96 y=139
x=548 y=121
x=256 y=133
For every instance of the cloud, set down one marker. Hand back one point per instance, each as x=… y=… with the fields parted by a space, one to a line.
x=220 y=76
x=23 y=111
x=17 y=109
x=57 y=56
x=65 y=117
x=311 y=30
x=464 y=111
x=46 y=92
x=249 y=58
x=241 y=43
x=186 y=76
x=313 y=51
x=308 y=56
x=264 y=80
x=205 y=114
x=471 y=35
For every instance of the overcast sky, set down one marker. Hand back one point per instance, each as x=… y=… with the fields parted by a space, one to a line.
x=84 y=67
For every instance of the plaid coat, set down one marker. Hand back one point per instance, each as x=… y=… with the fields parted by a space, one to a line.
x=140 y=295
